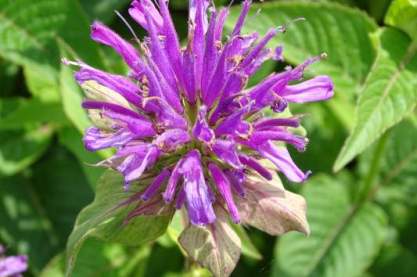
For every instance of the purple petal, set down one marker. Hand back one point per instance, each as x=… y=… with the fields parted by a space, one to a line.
x=102 y=34
x=198 y=200
x=13 y=265
x=252 y=163
x=96 y=139
x=260 y=137
x=138 y=166
x=236 y=178
x=116 y=83
x=316 y=89
x=282 y=160
x=169 y=192
x=139 y=9
x=171 y=139
x=153 y=188
x=241 y=20
x=226 y=151
x=224 y=187
x=234 y=124
x=201 y=129
x=269 y=123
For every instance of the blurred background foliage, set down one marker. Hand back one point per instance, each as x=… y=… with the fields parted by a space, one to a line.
x=362 y=197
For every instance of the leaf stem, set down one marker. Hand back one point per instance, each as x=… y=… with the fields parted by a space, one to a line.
x=369 y=180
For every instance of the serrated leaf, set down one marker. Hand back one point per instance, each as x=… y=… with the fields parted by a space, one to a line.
x=339 y=31
x=216 y=247
x=403 y=15
x=104 y=220
x=388 y=95
x=399 y=166
x=344 y=237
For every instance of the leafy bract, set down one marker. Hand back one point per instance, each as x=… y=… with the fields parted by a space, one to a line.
x=215 y=246
x=104 y=218
x=388 y=95
x=344 y=238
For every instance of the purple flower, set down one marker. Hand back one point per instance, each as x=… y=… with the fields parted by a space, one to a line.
x=12 y=266
x=185 y=117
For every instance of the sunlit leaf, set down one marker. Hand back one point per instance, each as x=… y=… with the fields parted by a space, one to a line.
x=403 y=15
x=344 y=237
x=388 y=96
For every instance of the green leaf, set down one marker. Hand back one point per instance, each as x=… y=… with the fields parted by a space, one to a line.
x=388 y=95
x=35 y=219
x=28 y=28
x=72 y=98
x=104 y=220
x=395 y=260
x=29 y=113
x=101 y=259
x=339 y=31
x=248 y=248
x=21 y=148
x=42 y=82
x=72 y=139
x=403 y=15
x=344 y=238
x=103 y=10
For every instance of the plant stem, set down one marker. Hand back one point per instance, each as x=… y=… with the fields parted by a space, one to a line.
x=369 y=180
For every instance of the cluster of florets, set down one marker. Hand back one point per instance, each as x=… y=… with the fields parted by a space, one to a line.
x=184 y=116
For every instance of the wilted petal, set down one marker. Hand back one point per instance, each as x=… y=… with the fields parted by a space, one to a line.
x=316 y=89
x=271 y=208
x=216 y=247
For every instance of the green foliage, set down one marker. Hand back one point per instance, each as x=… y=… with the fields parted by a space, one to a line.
x=388 y=94
x=403 y=15
x=104 y=219
x=362 y=220
x=345 y=236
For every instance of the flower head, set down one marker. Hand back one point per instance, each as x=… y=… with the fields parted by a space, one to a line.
x=185 y=117
x=12 y=266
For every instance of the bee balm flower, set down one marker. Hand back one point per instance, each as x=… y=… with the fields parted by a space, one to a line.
x=12 y=266
x=185 y=118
